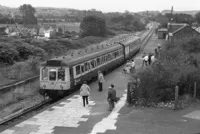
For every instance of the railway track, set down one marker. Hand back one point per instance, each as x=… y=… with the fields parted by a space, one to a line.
x=48 y=102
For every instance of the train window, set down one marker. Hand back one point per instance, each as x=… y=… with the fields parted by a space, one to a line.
x=98 y=61
x=95 y=63
x=109 y=57
x=78 y=70
x=115 y=54
x=102 y=60
x=82 y=69
x=52 y=74
x=106 y=57
x=92 y=63
x=61 y=74
x=45 y=74
x=87 y=66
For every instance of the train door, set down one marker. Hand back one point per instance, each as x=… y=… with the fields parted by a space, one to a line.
x=127 y=50
x=67 y=78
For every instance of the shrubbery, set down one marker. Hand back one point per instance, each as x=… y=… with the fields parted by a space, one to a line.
x=8 y=53
x=15 y=53
x=178 y=64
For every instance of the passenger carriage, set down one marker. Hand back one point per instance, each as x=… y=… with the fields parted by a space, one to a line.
x=62 y=74
x=131 y=46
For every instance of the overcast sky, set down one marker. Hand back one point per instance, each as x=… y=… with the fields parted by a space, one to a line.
x=110 y=5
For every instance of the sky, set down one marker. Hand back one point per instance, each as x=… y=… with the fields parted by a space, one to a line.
x=110 y=5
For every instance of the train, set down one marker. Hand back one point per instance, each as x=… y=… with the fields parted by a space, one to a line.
x=65 y=74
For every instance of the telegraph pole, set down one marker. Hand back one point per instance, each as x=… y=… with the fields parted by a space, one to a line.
x=172 y=16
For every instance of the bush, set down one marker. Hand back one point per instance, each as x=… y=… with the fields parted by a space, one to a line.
x=25 y=50
x=21 y=70
x=177 y=65
x=8 y=53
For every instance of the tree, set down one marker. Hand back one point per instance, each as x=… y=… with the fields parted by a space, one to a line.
x=28 y=12
x=93 y=26
x=197 y=16
x=183 y=18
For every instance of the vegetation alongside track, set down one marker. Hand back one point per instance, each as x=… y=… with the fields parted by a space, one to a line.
x=20 y=58
x=178 y=64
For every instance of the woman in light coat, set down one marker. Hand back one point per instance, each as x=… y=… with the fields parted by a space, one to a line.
x=85 y=92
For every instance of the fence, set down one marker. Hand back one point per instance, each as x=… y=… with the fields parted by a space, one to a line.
x=132 y=95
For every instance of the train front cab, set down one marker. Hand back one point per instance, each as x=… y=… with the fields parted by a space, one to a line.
x=54 y=81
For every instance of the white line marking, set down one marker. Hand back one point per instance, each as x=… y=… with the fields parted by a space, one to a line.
x=108 y=123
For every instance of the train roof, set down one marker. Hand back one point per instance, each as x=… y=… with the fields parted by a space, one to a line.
x=129 y=40
x=83 y=56
x=94 y=51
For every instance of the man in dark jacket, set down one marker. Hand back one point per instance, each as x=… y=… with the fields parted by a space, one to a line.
x=112 y=97
x=101 y=80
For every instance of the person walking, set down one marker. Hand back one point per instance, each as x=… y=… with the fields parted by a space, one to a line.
x=149 y=59
x=145 y=60
x=133 y=66
x=112 y=97
x=85 y=92
x=100 y=80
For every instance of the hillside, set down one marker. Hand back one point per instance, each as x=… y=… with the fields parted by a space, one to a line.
x=149 y=12
x=192 y=12
x=39 y=10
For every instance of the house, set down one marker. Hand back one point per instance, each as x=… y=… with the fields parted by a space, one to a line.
x=50 y=33
x=172 y=27
x=197 y=29
x=162 y=33
x=47 y=30
x=182 y=33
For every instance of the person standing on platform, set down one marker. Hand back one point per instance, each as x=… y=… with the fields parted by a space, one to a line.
x=111 y=97
x=85 y=92
x=156 y=53
x=153 y=58
x=100 y=80
x=145 y=60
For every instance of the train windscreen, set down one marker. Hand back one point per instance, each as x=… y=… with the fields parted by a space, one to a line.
x=61 y=74
x=52 y=74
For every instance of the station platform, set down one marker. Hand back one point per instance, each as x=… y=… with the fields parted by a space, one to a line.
x=70 y=117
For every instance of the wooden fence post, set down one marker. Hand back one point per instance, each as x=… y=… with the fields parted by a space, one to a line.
x=128 y=97
x=176 y=97
x=195 y=90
